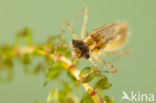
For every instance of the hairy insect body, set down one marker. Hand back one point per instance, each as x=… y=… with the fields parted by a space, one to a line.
x=103 y=41
x=120 y=37
x=107 y=37
x=80 y=49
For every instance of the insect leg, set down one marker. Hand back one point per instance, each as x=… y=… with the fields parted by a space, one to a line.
x=120 y=52
x=69 y=27
x=108 y=65
x=115 y=52
x=94 y=63
x=85 y=11
x=83 y=31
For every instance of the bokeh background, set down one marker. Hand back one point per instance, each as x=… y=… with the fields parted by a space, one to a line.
x=136 y=70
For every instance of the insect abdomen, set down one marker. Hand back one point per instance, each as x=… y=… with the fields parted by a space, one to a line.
x=95 y=44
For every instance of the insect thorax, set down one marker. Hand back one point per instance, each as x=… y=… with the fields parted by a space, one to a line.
x=80 y=49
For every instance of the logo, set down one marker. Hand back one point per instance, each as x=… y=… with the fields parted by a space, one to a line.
x=137 y=96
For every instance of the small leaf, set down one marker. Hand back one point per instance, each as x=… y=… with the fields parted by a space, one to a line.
x=56 y=69
x=69 y=100
x=85 y=71
x=63 y=93
x=45 y=83
x=8 y=62
x=53 y=95
x=49 y=60
x=53 y=72
x=64 y=51
x=109 y=99
x=87 y=74
x=26 y=59
x=86 y=98
x=88 y=77
x=26 y=35
x=38 y=68
x=103 y=83
x=6 y=49
x=107 y=86
x=25 y=32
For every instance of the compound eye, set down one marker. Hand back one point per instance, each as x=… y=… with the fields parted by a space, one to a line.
x=74 y=42
x=87 y=56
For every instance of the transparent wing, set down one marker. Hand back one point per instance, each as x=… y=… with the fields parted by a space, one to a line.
x=103 y=32
x=114 y=35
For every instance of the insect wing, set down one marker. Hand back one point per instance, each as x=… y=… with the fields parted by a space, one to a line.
x=112 y=34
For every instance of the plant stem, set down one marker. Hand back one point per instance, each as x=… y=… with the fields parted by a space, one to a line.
x=74 y=71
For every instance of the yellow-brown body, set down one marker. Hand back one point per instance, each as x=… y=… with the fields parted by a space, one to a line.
x=106 y=38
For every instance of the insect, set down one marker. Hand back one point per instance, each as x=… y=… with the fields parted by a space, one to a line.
x=103 y=41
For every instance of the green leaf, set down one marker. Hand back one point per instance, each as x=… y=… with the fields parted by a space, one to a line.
x=103 y=83
x=88 y=78
x=45 y=83
x=85 y=71
x=26 y=35
x=69 y=100
x=8 y=62
x=86 y=98
x=56 y=69
x=25 y=32
x=6 y=49
x=109 y=99
x=38 y=68
x=53 y=95
x=26 y=59
x=63 y=93
x=87 y=74
x=64 y=51
x=49 y=60
x=52 y=73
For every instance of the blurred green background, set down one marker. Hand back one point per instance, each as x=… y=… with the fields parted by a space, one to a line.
x=136 y=70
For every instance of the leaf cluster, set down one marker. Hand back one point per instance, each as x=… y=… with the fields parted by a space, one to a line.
x=45 y=58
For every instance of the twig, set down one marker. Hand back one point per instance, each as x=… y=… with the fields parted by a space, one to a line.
x=74 y=71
